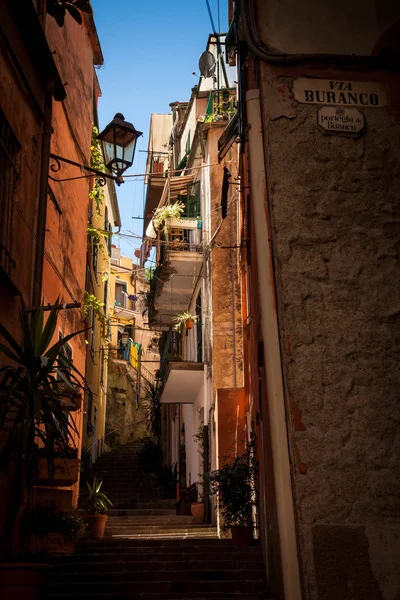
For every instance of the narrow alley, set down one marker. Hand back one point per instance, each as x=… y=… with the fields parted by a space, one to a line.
x=199 y=300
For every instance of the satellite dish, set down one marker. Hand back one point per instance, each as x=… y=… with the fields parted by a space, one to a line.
x=207 y=64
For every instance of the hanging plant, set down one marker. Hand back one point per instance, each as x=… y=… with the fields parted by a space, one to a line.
x=58 y=9
x=184 y=319
x=170 y=211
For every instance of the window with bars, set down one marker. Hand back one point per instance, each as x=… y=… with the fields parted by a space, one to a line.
x=9 y=152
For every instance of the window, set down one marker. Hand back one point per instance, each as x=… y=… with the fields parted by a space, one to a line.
x=121 y=295
x=9 y=150
x=65 y=357
x=193 y=200
x=95 y=257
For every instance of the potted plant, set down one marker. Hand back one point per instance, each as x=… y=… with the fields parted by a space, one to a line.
x=95 y=512
x=184 y=319
x=233 y=484
x=51 y=530
x=169 y=211
x=197 y=508
x=31 y=415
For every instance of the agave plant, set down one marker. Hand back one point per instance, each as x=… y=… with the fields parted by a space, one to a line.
x=98 y=503
x=33 y=391
x=153 y=408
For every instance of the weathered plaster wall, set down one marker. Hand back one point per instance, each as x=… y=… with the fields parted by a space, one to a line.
x=334 y=208
x=333 y=26
x=122 y=411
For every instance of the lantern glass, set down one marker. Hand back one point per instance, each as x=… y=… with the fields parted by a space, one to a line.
x=119 y=140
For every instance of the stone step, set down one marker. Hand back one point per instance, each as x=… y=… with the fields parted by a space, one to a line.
x=203 y=564
x=125 y=583
x=158 y=575
x=152 y=596
x=156 y=524
x=145 y=512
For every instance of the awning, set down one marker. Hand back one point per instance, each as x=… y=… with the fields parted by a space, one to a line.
x=177 y=186
x=184 y=382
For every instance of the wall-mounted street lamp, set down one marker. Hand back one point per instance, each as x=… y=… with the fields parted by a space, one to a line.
x=119 y=139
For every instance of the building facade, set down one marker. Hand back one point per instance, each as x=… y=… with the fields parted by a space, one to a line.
x=318 y=129
x=44 y=207
x=197 y=275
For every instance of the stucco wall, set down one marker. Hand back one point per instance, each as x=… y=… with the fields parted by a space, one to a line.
x=332 y=26
x=334 y=208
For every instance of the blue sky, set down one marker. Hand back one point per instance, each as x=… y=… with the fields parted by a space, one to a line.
x=150 y=51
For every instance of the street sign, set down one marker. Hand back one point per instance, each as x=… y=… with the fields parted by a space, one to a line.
x=336 y=119
x=344 y=93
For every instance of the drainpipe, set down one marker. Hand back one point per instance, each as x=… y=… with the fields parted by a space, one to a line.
x=43 y=191
x=273 y=367
x=178 y=452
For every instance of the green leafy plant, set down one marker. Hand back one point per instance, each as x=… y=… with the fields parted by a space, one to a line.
x=98 y=503
x=96 y=236
x=233 y=484
x=181 y=319
x=152 y=406
x=91 y=302
x=45 y=518
x=97 y=162
x=170 y=211
x=58 y=9
x=32 y=409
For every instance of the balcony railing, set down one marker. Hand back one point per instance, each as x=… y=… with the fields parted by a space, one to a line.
x=180 y=240
x=221 y=105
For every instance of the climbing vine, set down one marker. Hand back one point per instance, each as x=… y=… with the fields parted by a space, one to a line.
x=91 y=302
x=96 y=162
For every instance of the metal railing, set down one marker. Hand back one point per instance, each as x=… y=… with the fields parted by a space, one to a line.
x=100 y=442
x=221 y=105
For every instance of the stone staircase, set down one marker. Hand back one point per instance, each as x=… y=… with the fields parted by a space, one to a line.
x=150 y=553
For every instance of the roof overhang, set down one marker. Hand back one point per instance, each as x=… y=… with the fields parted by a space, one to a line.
x=124 y=313
x=184 y=382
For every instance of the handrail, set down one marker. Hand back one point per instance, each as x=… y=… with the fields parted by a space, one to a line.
x=110 y=432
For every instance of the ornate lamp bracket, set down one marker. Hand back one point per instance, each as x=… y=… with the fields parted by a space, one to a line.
x=55 y=167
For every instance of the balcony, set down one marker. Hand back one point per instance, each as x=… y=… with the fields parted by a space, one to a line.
x=173 y=282
x=124 y=307
x=182 y=380
x=221 y=105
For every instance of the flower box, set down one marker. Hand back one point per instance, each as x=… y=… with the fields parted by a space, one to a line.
x=66 y=472
x=182 y=223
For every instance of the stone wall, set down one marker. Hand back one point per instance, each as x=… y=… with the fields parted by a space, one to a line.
x=334 y=208
x=122 y=410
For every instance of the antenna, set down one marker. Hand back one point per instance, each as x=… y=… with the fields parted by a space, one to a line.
x=207 y=64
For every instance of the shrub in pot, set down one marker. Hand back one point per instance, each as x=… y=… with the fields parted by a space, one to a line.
x=233 y=484
x=32 y=414
x=96 y=508
x=48 y=529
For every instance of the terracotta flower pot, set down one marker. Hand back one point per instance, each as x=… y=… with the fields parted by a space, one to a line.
x=95 y=525
x=23 y=581
x=189 y=324
x=242 y=535
x=197 y=510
